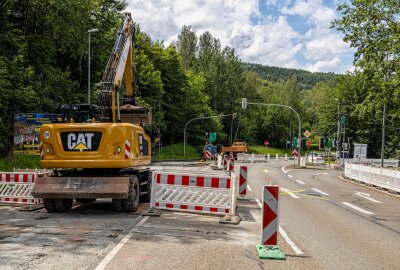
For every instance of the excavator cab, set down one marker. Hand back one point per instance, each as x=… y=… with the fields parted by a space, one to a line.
x=80 y=113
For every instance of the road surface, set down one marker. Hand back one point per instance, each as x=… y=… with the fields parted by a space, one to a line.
x=326 y=223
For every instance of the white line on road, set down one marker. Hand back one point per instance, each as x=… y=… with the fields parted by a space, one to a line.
x=366 y=196
x=115 y=250
x=290 y=242
x=321 y=192
x=300 y=182
x=358 y=208
x=249 y=188
x=258 y=202
x=204 y=169
x=283 y=169
x=325 y=173
x=291 y=176
x=288 y=191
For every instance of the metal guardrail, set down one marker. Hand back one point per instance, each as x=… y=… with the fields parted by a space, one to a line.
x=380 y=177
x=241 y=157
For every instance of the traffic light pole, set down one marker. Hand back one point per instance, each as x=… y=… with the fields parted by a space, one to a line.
x=198 y=118
x=284 y=106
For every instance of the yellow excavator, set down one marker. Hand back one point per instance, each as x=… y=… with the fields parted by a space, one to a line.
x=100 y=151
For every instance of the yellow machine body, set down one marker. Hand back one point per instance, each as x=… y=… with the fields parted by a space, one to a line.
x=94 y=145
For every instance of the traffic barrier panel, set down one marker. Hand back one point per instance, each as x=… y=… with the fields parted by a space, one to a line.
x=243 y=180
x=231 y=165
x=270 y=224
x=16 y=187
x=380 y=177
x=188 y=192
x=225 y=163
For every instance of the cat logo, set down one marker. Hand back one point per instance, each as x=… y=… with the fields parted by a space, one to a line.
x=80 y=141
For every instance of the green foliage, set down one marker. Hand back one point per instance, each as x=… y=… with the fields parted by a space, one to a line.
x=43 y=64
x=175 y=151
x=268 y=150
x=19 y=162
x=305 y=79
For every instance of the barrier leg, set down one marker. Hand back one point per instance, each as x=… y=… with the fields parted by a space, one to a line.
x=152 y=211
x=268 y=248
x=232 y=217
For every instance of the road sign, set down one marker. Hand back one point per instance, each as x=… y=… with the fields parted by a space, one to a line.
x=266 y=143
x=295 y=153
x=212 y=137
x=244 y=103
x=307 y=133
x=308 y=143
x=208 y=150
x=295 y=142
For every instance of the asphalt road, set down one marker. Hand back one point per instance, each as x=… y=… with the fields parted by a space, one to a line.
x=326 y=222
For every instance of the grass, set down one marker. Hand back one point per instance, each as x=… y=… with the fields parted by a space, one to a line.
x=19 y=161
x=175 y=151
x=268 y=150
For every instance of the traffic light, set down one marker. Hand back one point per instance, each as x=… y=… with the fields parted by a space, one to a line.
x=295 y=144
x=321 y=143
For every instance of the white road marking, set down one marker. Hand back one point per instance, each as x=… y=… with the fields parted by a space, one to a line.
x=325 y=173
x=358 y=208
x=258 y=202
x=300 y=182
x=321 y=192
x=204 y=169
x=366 y=196
x=249 y=188
x=283 y=169
x=288 y=191
x=295 y=248
x=291 y=176
x=115 y=250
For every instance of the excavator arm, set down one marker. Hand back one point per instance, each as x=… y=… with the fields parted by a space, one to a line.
x=119 y=67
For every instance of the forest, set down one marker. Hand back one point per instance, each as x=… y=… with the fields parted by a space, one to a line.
x=44 y=62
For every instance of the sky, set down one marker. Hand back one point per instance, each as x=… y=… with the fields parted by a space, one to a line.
x=282 y=33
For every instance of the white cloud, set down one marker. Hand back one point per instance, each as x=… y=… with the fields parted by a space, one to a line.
x=316 y=13
x=260 y=38
x=321 y=45
x=325 y=65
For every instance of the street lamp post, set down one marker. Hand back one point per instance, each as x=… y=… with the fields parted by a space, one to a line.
x=197 y=118
x=338 y=132
x=244 y=106
x=90 y=31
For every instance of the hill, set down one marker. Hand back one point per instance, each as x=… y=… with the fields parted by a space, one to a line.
x=306 y=79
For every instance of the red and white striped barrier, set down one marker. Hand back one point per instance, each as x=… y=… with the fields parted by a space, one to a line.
x=190 y=192
x=16 y=187
x=243 y=180
x=225 y=163
x=270 y=212
x=231 y=165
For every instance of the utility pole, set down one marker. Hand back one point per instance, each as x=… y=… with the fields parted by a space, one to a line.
x=89 y=31
x=338 y=132
x=383 y=134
